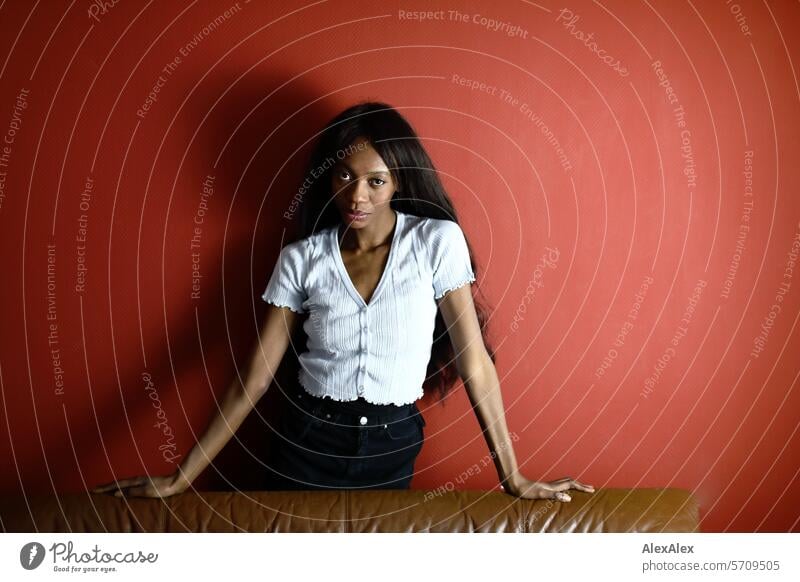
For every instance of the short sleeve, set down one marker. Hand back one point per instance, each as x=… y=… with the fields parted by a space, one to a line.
x=450 y=258
x=286 y=285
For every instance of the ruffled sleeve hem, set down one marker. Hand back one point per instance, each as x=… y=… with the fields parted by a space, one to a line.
x=446 y=290
x=279 y=303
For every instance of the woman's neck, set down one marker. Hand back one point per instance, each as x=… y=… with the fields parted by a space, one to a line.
x=370 y=237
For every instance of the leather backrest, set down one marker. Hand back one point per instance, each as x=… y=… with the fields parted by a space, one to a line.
x=607 y=510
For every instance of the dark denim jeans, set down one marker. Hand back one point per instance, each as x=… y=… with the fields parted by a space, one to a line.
x=325 y=444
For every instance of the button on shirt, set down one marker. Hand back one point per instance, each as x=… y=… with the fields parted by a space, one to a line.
x=378 y=350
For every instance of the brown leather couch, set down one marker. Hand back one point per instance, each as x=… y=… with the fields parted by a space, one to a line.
x=606 y=510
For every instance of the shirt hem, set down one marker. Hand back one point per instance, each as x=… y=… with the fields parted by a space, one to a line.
x=420 y=395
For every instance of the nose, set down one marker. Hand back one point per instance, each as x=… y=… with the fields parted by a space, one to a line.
x=357 y=191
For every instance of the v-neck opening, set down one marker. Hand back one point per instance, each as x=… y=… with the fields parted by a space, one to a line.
x=389 y=260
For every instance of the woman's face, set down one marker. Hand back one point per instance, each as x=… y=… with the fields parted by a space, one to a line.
x=362 y=185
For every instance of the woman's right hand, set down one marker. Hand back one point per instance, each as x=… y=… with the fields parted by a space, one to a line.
x=143 y=486
x=527 y=489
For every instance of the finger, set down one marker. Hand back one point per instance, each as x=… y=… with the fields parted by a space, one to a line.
x=583 y=487
x=134 y=481
x=99 y=489
x=556 y=490
x=562 y=496
x=562 y=480
x=122 y=483
x=567 y=483
x=104 y=487
x=551 y=491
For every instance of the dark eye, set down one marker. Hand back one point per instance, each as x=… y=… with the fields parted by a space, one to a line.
x=342 y=175
x=382 y=182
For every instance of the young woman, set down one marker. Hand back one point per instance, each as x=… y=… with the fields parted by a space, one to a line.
x=383 y=274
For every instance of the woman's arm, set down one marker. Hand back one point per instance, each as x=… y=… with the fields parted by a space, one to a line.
x=477 y=370
x=239 y=400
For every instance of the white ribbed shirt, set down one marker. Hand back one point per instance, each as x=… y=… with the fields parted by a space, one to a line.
x=379 y=350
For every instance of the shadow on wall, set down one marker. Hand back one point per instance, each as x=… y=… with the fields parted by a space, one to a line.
x=210 y=336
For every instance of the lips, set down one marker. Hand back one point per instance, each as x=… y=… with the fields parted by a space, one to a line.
x=356 y=215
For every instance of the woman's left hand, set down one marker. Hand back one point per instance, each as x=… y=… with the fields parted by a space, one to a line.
x=527 y=489
x=144 y=486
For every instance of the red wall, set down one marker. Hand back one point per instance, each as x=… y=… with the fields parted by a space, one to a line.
x=576 y=179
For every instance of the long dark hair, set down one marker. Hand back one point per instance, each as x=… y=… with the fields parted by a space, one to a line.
x=419 y=192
